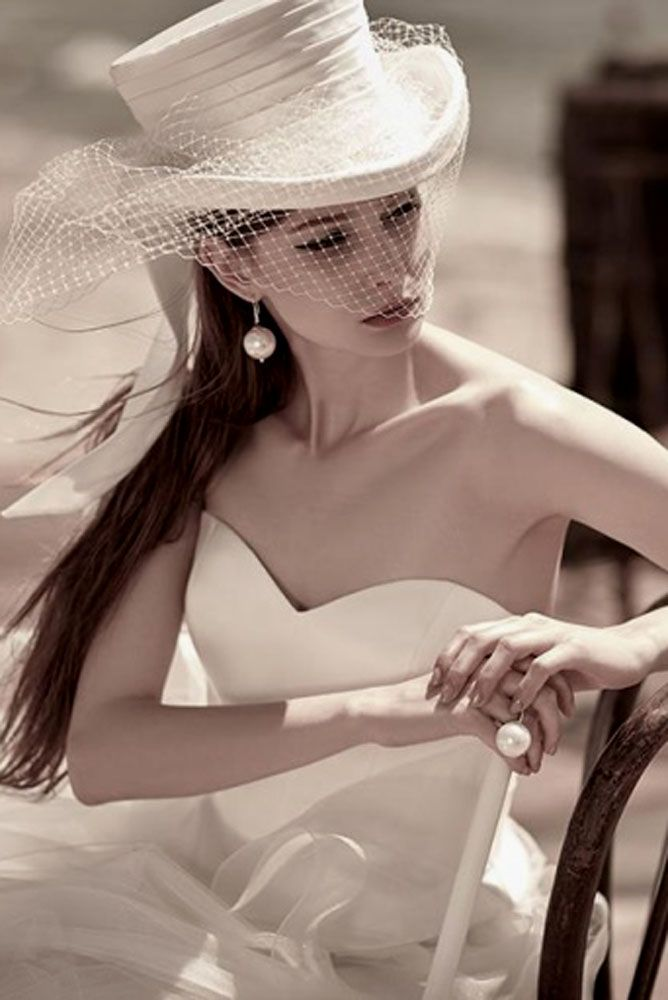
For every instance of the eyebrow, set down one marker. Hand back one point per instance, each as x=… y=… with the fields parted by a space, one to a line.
x=323 y=219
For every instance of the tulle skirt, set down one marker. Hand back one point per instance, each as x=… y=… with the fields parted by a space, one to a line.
x=328 y=883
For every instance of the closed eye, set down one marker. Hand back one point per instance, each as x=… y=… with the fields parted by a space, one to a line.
x=405 y=209
x=337 y=237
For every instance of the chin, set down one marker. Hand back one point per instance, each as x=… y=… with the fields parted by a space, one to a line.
x=391 y=339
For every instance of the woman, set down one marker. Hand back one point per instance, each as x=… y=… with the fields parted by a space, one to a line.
x=327 y=508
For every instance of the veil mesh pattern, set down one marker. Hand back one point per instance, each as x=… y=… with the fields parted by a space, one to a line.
x=188 y=188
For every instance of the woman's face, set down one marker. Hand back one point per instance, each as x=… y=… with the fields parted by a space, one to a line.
x=322 y=272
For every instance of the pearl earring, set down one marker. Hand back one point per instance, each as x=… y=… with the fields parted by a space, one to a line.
x=513 y=738
x=259 y=343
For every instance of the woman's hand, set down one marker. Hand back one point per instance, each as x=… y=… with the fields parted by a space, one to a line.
x=544 y=719
x=547 y=651
x=400 y=714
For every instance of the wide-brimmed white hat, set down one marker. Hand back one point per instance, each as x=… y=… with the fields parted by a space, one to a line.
x=248 y=106
x=242 y=68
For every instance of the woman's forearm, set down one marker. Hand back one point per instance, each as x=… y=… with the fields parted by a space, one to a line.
x=140 y=749
x=651 y=629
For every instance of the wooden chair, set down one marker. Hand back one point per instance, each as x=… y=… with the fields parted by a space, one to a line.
x=623 y=742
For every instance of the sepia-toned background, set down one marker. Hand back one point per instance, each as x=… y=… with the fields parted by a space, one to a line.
x=500 y=282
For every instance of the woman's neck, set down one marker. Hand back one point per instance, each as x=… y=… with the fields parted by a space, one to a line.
x=340 y=394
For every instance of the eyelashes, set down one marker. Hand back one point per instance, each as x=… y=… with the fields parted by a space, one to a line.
x=333 y=239
x=405 y=209
x=337 y=237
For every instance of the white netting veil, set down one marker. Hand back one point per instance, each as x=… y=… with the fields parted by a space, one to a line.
x=294 y=149
x=236 y=183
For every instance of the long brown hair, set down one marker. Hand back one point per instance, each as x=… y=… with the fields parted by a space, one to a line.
x=225 y=393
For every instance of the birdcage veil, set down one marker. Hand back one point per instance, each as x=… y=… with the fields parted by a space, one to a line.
x=120 y=202
x=301 y=148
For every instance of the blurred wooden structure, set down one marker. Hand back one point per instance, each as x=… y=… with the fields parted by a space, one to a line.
x=614 y=169
x=613 y=160
x=623 y=742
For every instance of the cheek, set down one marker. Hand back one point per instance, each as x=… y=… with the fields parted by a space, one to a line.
x=322 y=327
x=334 y=292
x=318 y=323
x=298 y=312
x=303 y=274
x=327 y=271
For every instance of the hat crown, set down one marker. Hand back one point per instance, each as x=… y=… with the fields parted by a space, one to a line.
x=240 y=58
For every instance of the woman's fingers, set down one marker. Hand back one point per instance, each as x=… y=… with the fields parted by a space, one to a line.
x=564 y=692
x=558 y=683
x=452 y=663
x=484 y=725
x=541 y=670
x=535 y=752
x=488 y=651
x=508 y=650
x=545 y=706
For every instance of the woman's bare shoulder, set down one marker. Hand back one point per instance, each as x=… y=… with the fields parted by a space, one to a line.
x=447 y=361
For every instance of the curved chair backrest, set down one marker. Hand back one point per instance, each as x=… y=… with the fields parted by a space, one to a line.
x=623 y=742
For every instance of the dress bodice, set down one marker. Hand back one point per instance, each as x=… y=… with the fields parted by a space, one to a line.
x=256 y=646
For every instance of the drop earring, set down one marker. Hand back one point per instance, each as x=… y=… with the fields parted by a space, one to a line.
x=259 y=343
x=513 y=738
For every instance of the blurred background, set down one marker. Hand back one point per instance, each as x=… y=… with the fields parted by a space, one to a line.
x=507 y=278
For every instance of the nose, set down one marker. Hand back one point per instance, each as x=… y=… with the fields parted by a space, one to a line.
x=394 y=271
x=399 y=288
x=395 y=266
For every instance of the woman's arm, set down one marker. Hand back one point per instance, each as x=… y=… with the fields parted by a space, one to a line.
x=124 y=743
x=578 y=460
x=140 y=749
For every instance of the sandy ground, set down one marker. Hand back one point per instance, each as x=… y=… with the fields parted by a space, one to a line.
x=499 y=282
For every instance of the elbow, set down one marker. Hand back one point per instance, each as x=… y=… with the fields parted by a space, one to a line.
x=102 y=763
x=85 y=796
x=82 y=775
x=83 y=791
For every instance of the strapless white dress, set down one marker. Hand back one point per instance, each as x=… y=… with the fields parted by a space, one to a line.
x=391 y=873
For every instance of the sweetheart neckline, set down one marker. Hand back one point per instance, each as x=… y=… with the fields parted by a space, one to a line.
x=303 y=612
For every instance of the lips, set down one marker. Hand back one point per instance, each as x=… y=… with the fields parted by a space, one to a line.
x=400 y=308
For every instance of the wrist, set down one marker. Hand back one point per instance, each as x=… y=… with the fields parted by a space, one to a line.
x=649 y=632
x=363 y=716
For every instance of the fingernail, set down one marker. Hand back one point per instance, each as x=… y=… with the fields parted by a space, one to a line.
x=436 y=675
x=447 y=692
x=516 y=705
x=476 y=698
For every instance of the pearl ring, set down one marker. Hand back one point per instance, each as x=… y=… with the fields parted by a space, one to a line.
x=513 y=738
